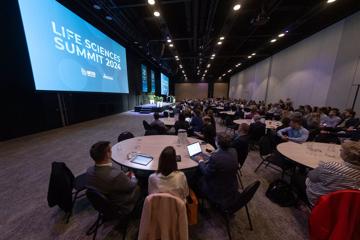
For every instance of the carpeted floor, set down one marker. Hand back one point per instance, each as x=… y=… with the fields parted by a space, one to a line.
x=25 y=165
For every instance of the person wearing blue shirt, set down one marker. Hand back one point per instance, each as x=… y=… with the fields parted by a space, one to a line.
x=295 y=133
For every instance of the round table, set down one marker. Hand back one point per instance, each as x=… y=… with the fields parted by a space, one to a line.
x=310 y=154
x=153 y=145
x=270 y=124
x=168 y=121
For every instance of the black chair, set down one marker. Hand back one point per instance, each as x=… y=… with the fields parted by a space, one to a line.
x=268 y=156
x=165 y=114
x=106 y=212
x=327 y=138
x=242 y=150
x=241 y=201
x=64 y=188
x=125 y=135
x=230 y=125
x=146 y=125
x=172 y=114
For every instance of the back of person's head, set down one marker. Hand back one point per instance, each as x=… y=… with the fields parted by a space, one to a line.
x=210 y=113
x=244 y=128
x=351 y=152
x=99 y=151
x=156 y=116
x=167 y=161
x=324 y=110
x=197 y=112
x=350 y=112
x=206 y=119
x=257 y=118
x=223 y=140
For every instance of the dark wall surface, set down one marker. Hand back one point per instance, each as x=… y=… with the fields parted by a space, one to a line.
x=25 y=111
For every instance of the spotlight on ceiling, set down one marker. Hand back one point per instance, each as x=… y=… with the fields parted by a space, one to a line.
x=171 y=45
x=273 y=40
x=236 y=7
x=168 y=40
x=219 y=43
x=156 y=14
x=230 y=70
x=97 y=7
x=208 y=65
x=222 y=38
x=281 y=35
x=151 y=2
x=253 y=54
x=109 y=18
x=330 y=1
x=249 y=56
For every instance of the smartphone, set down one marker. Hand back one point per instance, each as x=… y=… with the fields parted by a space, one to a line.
x=178 y=158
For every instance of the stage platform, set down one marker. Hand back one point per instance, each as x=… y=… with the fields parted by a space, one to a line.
x=149 y=108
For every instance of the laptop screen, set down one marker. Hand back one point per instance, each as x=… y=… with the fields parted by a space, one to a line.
x=194 y=149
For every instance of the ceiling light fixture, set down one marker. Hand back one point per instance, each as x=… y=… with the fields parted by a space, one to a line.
x=253 y=54
x=156 y=14
x=208 y=65
x=151 y=2
x=168 y=40
x=236 y=7
x=97 y=7
x=219 y=43
x=109 y=18
x=229 y=70
x=213 y=55
x=281 y=35
x=273 y=40
x=330 y=1
x=249 y=56
x=222 y=38
x=171 y=45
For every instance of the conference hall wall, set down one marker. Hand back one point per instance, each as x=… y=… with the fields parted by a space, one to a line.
x=221 y=90
x=191 y=91
x=320 y=70
x=25 y=111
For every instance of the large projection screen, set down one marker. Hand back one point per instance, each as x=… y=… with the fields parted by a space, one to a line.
x=69 y=54
x=164 y=80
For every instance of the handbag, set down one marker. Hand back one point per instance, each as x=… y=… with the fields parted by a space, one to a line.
x=192 y=204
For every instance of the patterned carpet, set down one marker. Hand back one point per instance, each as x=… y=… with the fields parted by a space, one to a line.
x=25 y=165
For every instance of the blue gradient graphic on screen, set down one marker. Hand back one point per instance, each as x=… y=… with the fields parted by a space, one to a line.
x=164 y=84
x=152 y=74
x=68 y=54
x=144 y=78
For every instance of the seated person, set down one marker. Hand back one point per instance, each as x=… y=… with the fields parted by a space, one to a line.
x=167 y=178
x=241 y=141
x=210 y=113
x=196 y=121
x=349 y=120
x=285 y=123
x=295 y=133
x=181 y=124
x=333 y=176
x=208 y=132
x=118 y=187
x=242 y=133
x=331 y=121
x=257 y=129
x=157 y=124
x=218 y=182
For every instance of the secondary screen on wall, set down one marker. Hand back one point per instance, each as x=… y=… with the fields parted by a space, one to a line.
x=164 y=84
x=152 y=74
x=69 y=54
x=144 y=78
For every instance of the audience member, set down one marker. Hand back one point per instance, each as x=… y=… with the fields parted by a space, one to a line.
x=196 y=121
x=295 y=132
x=331 y=121
x=257 y=129
x=121 y=189
x=208 y=132
x=157 y=124
x=332 y=176
x=181 y=124
x=167 y=179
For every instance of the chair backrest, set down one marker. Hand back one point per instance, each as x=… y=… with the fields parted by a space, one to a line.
x=242 y=149
x=146 y=125
x=244 y=197
x=228 y=121
x=124 y=136
x=165 y=114
x=163 y=216
x=265 y=146
x=100 y=202
x=60 y=186
x=336 y=216
x=325 y=138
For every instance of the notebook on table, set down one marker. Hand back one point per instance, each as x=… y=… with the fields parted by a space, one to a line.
x=142 y=159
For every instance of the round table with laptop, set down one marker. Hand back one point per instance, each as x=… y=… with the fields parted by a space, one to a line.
x=126 y=151
x=270 y=124
x=310 y=154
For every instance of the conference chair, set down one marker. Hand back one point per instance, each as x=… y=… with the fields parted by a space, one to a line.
x=336 y=216
x=106 y=212
x=230 y=125
x=242 y=200
x=146 y=125
x=270 y=158
x=125 y=135
x=242 y=150
x=64 y=188
x=165 y=114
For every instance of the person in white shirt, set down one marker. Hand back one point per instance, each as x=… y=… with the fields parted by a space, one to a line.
x=167 y=179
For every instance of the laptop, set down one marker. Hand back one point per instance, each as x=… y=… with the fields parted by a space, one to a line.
x=194 y=150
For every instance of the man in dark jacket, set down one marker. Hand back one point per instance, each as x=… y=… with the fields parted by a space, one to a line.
x=257 y=129
x=218 y=182
x=121 y=189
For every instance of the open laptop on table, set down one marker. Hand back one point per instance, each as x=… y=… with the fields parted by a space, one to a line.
x=194 y=150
